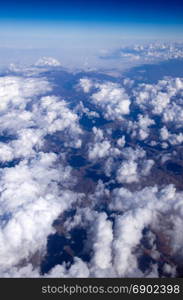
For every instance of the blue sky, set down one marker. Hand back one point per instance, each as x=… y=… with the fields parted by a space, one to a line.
x=87 y=24
x=133 y=19
x=141 y=11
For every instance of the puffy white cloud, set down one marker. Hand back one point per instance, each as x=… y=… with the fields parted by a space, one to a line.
x=133 y=166
x=27 y=271
x=17 y=91
x=163 y=99
x=121 y=141
x=6 y=153
x=127 y=172
x=145 y=53
x=29 y=125
x=176 y=139
x=86 y=84
x=172 y=138
x=114 y=243
x=79 y=269
x=102 y=245
x=101 y=146
x=48 y=61
x=27 y=143
x=150 y=96
x=141 y=209
x=32 y=207
x=53 y=114
x=98 y=134
x=164 y=134
x=141 y=127
x=99 y=150
x=173 y=114
x=110 y=97
x=80 y=109
x=36 y=189
x=146 y=167
x=169 y=270
x=114 y=248
x=128 y=82
x=14 y=120
x=128 y=232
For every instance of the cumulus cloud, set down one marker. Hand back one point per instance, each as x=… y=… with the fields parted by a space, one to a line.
x=114 y=242
x=127 y=172
x=80 y=109
x=140 y=209
x=35 y=189
x=86 y=84
x=172 y=138
x=102 y=245
x=110 y=97
x=133 y=166
x=121 y=141
x=141 y=127
x=6 y=153
x=29 y=119
x=41 y=135
x=145 y=53
x=163 y=98
x=17 y=91
x=48 y=61
x=79 y=269
x=99 y=150
x=31 y=208
x=113 y=100
x=52 y=115
x=101 y=146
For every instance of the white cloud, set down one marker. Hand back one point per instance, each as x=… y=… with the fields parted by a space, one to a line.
x=172 y=138
x=110 y=97
x=80 y=109
x=145 y=53
x=176 y=139
x=16 y=91
x=163 y=99
x=6 y=153
x=164 y=134
x=52 y=114
x=86 y=84
x=134 y=165
x=48 y=61
x=36 y=190
x=102 y=246
x=99 y=150
x=121 y=141
x=141 y=127
x=141 y=209
x=79 y=269
x=32 y=207
x=114 y=245
x=127 y=172
x=101 y=146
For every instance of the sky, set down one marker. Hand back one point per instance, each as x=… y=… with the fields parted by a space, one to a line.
x=123 y=11
x=131 y=127
x=86 y=25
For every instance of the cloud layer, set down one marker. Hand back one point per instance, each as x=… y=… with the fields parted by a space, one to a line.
x=95 y=161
